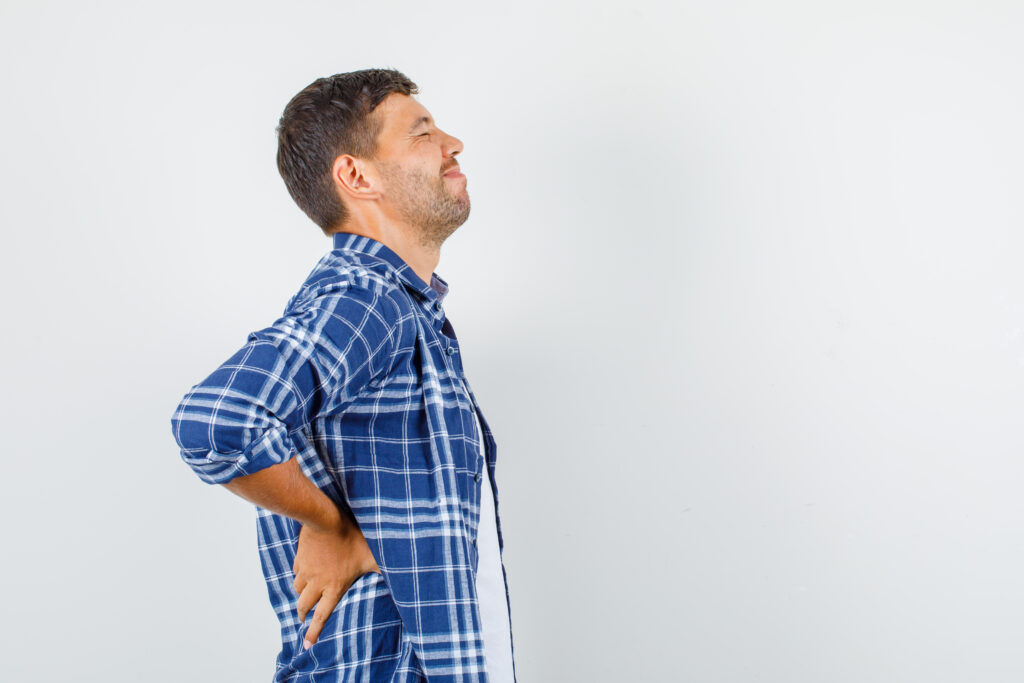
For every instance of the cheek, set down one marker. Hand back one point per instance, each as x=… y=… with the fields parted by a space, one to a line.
x=435 y=153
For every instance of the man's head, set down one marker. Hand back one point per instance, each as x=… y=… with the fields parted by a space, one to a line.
x=358 y=139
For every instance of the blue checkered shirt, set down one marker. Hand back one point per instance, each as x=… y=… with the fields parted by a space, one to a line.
x=361 y=379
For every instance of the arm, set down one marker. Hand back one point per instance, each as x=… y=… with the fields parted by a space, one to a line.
x=234 y=428
x=284 y=489
x=310 y=363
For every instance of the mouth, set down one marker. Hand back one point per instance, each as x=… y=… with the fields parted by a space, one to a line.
x=454 y=173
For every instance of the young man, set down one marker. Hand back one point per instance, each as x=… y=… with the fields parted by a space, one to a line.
x=349 y=422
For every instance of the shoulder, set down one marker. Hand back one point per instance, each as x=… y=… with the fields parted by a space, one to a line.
x=339 y=273
x=362 y=293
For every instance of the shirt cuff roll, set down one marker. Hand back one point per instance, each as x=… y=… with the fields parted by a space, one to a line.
x=272 y=448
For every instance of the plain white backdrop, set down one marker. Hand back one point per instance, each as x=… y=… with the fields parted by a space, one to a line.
x=740 y=294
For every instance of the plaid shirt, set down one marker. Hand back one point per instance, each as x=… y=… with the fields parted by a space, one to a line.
x=361 y=379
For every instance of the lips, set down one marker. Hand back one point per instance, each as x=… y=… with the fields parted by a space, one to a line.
x=453 y=172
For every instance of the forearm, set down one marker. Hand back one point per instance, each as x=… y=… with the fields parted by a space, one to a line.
x=284 y=489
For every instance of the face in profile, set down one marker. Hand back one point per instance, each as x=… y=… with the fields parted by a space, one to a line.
x=422 y=182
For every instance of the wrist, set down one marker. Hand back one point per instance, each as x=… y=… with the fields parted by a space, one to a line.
x=331 y=520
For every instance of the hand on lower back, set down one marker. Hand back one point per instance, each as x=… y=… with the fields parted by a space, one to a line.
x=326 y=565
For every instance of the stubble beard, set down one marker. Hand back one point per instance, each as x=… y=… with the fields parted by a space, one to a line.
x=424 y=202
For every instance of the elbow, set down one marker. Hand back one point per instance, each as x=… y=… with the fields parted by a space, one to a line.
x=218 y=454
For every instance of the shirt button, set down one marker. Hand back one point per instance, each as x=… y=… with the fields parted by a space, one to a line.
x=437 y=305
x=478 y=476
x=450 y=350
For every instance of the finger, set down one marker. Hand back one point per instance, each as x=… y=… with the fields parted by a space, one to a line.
x=323 y=610
x=305 y=603
x=299 y=583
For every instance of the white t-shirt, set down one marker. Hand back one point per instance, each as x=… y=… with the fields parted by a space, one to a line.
x=490 y=584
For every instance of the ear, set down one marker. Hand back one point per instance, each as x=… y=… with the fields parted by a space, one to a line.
x=353 y=177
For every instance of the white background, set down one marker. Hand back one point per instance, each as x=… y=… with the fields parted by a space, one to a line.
x=740 y=294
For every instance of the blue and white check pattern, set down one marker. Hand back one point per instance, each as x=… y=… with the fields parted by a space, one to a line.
x=361 y=379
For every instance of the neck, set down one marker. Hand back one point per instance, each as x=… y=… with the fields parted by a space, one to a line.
x=403 y=240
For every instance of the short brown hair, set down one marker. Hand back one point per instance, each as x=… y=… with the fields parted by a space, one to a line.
x=330 y=117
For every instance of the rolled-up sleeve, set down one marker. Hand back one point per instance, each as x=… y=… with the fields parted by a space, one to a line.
x=311 y=362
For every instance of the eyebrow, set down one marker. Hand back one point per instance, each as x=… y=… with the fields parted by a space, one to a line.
x=422 y=119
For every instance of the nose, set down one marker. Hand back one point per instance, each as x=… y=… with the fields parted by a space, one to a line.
x=452 y=145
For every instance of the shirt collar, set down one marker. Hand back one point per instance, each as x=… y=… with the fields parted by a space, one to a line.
x=434 y=293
